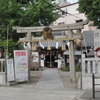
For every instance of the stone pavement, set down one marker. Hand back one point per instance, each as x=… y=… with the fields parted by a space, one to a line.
x=49 y=87
x=50 y=79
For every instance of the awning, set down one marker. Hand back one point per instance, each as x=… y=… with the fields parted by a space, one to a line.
x=76 y=52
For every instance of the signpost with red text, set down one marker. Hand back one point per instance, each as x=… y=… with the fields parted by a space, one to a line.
x=21 y=65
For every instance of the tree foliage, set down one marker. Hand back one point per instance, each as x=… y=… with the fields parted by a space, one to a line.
x=17 y=13
x=24 y=13
x=8 y=46
x=91 y=8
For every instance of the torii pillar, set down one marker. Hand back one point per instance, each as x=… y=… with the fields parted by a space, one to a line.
x=71 y=57
x=29 y=38
x=68 y=27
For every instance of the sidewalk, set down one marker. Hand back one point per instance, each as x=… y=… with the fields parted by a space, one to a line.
x=49 y=87
x=88 y=95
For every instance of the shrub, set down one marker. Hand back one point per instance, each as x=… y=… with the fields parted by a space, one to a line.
x=78 y=69
x=68 y=69
x=65 y=69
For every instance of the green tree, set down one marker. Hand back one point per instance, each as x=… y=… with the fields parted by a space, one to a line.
x=14 y=13
x=24 y=13
x=91 y=8
x=8 y=46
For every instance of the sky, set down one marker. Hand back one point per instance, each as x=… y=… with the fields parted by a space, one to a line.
x=72 y=1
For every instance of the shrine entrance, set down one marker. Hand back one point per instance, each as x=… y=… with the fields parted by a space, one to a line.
x=72 y=38
x=50 y=58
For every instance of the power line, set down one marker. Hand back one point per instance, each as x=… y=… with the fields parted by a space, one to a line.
x=57 y=7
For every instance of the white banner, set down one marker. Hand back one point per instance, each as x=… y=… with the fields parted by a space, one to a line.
x=10 y=70
x=21 y=65
x=42 y=63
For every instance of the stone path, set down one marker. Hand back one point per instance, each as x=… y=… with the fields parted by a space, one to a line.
x=50 y=79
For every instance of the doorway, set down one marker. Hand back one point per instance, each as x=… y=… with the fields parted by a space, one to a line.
x=50 y=58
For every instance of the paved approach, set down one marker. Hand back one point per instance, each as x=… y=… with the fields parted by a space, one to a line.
x=50 y=79
x=49 y=87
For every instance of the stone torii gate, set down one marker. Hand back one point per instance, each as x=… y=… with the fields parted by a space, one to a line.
x=70 y=38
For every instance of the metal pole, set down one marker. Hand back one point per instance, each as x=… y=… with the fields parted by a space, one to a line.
x=93 y=86
x=71 y=57
x=7 y=39
x=6 y=55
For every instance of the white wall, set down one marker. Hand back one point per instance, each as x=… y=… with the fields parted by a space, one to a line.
x=75 y=15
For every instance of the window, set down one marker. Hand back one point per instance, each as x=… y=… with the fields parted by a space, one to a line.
x=62 y=23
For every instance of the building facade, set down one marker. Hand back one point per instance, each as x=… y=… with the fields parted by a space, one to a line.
x=72 y=15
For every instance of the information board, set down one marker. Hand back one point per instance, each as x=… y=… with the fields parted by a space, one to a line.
x=21 y=65
x=10 y=70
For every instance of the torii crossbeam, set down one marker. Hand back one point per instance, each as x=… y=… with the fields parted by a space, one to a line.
x=68 y=27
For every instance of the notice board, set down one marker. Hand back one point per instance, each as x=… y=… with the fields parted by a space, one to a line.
x=10 y=70
x=21 y=65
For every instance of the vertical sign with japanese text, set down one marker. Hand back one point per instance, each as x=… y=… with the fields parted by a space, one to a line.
x=96 y=38
x=21 y=65
x=10 y=70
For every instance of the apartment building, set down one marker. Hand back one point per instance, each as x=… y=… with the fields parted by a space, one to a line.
x=72 y=15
